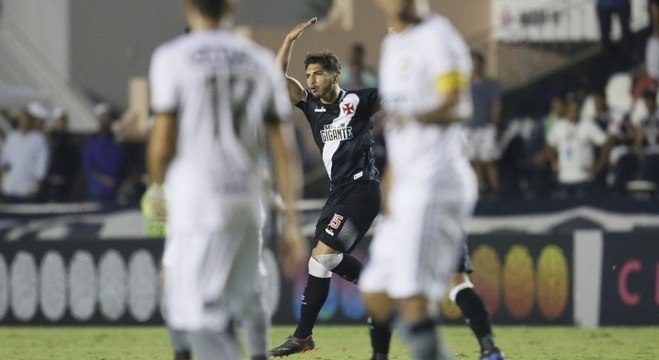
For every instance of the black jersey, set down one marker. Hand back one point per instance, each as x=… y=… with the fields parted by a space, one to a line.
x=342 y=131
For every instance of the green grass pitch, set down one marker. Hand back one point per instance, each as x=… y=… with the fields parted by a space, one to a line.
x=333 y=343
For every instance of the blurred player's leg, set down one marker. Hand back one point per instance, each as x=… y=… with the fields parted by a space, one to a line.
x=180 y=344
x=380 y=338
x=212 y=345
x=257 y=323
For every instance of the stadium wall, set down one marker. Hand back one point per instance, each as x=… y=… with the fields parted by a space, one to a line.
x=87 y=269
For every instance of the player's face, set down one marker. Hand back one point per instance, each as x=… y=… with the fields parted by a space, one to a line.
x=319 y=80
x=399 y=9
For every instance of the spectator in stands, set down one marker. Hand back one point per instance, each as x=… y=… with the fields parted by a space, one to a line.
x=360 y=75
x=541 y=179
x=606 y=10
x=611 y=121
x=483 y=126
x=642 y=81
x=574 y=140
x=65 y=160
x=652 y=44
x=556 y=113
x=647 y=140
x=104 y=160
x=24 y=158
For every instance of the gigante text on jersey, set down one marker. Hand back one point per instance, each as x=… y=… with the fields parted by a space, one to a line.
x=332 y=132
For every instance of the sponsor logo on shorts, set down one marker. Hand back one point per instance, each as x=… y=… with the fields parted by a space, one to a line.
x=358 y=175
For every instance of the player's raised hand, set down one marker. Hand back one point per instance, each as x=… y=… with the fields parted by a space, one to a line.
x=299 y=29
x=293 y=250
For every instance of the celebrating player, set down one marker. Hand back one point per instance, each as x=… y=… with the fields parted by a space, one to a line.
x=341 y=122
x=215 y=96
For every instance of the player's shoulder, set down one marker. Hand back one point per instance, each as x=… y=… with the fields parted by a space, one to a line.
x=438 y=24
x=172 y=44
x=363 y=93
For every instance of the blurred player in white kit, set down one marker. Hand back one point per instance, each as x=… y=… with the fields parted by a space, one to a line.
x=424 y=72
x=215 y=97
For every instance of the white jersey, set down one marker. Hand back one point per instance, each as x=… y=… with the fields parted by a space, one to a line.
x=434 y=189
x=410 y=65
x=221 y=87
x=575 y=144
x=26 y=155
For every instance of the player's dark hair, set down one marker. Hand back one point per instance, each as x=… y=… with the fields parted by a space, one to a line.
x=211 y=9
x=326 y=59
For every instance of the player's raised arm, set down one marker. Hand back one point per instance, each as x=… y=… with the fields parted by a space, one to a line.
x=295 y=89
x=293 y=250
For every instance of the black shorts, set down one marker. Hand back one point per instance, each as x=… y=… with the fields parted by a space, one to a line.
x=464 y=261
x=347 y=214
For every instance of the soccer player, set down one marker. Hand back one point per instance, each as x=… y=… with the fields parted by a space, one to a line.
x=341 y=122
x=256 y=323
x=424 y=67
x=216 y=96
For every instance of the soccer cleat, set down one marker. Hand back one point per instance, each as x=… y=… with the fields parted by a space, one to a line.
x=182 y=355
x=379 y=356
x=494 y=354
x=293 y=345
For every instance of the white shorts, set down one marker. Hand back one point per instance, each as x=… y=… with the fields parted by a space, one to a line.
x=210 y=275
x=417 y=244
x=482 y=143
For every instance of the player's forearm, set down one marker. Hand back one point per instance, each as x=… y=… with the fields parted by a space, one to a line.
x=287 y=170
x=157 y=163
x=442 y=115
x=284 y=54
x=161 y=147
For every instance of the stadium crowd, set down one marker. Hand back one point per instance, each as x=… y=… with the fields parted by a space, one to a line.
x=582 y=145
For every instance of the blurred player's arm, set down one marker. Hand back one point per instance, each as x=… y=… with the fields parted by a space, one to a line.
x=160 y=151
x=449 y=85
x=295 y=89
x=386 y=180
x=293 y=250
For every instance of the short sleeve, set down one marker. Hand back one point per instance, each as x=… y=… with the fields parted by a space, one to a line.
x=162 y=83
x=449 y=60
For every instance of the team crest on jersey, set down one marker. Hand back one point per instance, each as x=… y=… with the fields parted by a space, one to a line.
x=347 y=108
x=349 y=105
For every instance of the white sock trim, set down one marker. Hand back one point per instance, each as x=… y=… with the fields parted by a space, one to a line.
x=318 y=270
x=454 y=292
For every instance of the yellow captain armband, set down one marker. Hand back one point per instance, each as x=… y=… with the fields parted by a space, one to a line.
x=451 y=81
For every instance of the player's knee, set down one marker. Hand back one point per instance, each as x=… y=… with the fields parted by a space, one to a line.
x=453 y=293
x=318 y=270
x=328 y=261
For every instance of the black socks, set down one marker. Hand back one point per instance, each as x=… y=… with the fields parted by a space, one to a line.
x=313 y=299
x=473 y=309
x=349 y=268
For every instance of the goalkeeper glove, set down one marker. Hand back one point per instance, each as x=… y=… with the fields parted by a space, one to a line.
x=154 y=210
